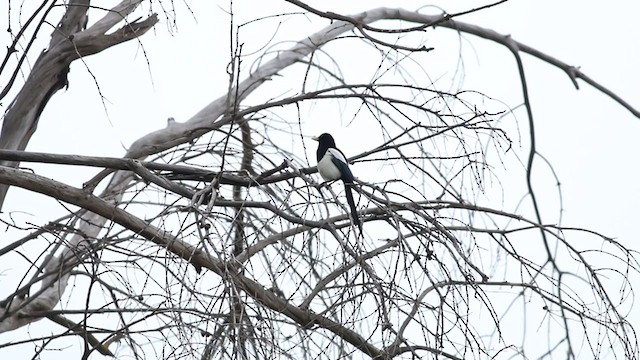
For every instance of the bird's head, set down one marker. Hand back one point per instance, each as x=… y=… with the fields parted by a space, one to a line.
x=325 y=140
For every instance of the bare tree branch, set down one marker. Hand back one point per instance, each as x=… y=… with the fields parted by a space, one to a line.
x=437 y=273
x=69 y=42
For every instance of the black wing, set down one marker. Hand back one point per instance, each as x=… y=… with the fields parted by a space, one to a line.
x=348 y=179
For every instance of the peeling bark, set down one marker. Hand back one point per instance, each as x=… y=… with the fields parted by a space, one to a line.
x=69 y=41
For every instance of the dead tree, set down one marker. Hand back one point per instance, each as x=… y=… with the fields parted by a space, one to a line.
x=215 y=237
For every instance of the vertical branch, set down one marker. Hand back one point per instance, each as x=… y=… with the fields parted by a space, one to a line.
x=245 y=167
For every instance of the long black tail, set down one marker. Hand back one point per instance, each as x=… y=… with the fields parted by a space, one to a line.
x=352 y=205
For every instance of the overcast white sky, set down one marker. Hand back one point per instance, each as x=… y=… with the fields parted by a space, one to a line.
x=591 y=141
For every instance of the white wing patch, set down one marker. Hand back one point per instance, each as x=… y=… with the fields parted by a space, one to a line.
x=337 y=154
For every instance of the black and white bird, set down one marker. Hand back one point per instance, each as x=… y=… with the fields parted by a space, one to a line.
x=332 y=165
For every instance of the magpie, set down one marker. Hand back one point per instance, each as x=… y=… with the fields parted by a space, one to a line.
x=332 y=165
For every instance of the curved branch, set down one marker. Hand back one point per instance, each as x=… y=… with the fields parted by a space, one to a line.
x=425 y=217
x=68 y=43
x=187 y=252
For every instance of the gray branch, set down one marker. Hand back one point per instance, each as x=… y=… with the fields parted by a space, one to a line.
x=49 y=74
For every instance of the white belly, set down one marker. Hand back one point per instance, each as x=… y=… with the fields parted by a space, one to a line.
x=327 y=169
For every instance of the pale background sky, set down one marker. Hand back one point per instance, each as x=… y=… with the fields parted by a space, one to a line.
x=590 y=140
